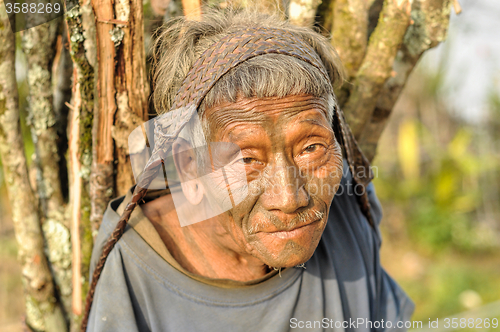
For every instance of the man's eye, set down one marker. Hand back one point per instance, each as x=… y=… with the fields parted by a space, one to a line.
x=311 y=148
x=247 y=161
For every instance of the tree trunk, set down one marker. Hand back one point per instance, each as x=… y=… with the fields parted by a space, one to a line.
x=131 y=85
x=39 y=46
x=376 y=66
x=379 y=42
x=430 y=20
x=122 y=97
x=43 y=310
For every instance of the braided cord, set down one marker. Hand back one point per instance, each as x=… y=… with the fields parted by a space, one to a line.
x=139 y=193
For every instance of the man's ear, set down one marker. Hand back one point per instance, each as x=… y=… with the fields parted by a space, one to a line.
x=187 y=169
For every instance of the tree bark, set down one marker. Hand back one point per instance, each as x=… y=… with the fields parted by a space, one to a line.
x=102 y=184
x=39 y=46
x=132 y=88
x=123 y=93
x=303 y=12
x=62 y=71
x=376 y=67
x=109 y=98
x=429 y=28
x=349 y=33
x=43 y=311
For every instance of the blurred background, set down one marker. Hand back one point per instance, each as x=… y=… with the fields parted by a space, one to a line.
x=438 y=176
x=439 y=172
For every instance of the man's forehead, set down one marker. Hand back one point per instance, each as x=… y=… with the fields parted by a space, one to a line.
x=271 y=110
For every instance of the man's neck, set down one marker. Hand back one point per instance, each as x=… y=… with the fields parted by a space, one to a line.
x=204 y=248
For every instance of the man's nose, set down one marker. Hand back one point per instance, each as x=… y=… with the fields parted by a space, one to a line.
x=284 y=189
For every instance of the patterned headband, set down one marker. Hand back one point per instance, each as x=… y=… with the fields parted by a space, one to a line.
x=216 y=61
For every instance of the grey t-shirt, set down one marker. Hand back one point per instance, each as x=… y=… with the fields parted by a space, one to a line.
x=342 y=288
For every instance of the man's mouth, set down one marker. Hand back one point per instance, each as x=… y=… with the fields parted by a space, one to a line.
x=306 y=223
x=294 y=232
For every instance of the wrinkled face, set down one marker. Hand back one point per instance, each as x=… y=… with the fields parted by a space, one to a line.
x=293 y=166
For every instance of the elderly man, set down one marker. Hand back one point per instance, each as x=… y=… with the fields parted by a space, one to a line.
x=269 y=222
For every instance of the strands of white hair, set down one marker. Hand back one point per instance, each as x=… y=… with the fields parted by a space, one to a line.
x=180 y=42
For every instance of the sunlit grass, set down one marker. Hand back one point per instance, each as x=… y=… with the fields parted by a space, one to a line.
x=441 y=284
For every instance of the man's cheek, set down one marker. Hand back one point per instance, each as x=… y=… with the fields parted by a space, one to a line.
x=323 y=188
x=326 y=181
x=331 y=169
x=241 y=212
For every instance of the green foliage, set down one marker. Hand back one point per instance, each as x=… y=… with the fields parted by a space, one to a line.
x=440 y=292
x=439 y=188
x=439 y=195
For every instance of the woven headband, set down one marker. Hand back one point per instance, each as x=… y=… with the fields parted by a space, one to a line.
x=215 y=62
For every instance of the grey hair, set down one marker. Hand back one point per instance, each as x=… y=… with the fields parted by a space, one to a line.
x=180 y=42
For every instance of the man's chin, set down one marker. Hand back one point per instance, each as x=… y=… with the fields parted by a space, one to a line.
x=289 y=261
x=286 y=252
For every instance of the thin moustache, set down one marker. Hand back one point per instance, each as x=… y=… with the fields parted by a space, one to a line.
x=295 y=223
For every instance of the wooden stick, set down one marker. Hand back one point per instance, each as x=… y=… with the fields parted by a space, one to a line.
x=192 y=9
x=457 y=7
x=76 y=192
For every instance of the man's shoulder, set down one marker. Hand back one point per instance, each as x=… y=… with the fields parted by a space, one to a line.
x=111 y=215
x=108 y=224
